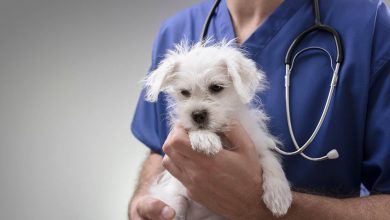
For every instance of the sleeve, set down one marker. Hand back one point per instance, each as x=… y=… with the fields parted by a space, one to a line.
x=376 y=159
x=150 y=123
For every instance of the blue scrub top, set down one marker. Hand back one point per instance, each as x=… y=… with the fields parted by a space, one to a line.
x=358 y=122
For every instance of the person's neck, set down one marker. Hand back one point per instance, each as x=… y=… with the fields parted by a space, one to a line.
x=247 y=15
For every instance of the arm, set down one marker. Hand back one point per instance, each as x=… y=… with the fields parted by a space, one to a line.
x=141 y=206
x=151 y=167
x=229 y=184
x=320 y=207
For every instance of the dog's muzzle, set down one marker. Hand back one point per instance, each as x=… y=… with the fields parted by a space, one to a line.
x=200 y=117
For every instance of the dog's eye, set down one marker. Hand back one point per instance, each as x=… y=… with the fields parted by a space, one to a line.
x=215 y=88
x=185 y=93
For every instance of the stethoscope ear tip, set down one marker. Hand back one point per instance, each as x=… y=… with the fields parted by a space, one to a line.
x=333 y=154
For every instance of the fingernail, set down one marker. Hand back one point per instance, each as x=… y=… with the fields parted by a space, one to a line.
x=167 y=212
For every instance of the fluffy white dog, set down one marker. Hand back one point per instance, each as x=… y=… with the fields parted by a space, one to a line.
x=210 y=85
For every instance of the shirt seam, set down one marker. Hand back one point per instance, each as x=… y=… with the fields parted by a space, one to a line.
x=381 y=63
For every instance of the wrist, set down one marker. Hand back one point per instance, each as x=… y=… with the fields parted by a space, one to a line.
x=255 y=207
x=256 y=210
x=259 y=212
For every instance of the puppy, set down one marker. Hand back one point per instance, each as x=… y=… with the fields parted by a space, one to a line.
x=210 y=85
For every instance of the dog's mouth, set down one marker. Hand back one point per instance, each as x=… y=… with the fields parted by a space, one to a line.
x=220 y=129
x=202 y=127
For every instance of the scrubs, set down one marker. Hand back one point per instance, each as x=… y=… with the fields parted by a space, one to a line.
x=358 y=121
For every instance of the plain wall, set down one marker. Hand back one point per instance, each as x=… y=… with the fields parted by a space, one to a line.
x=69 y=73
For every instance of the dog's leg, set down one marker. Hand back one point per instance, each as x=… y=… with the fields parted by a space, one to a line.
x=169 y=190
x=205 y=141
x=276 y=190
x=180 y=205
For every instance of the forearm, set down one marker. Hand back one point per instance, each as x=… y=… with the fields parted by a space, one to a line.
x=320 y=207
x=308 y=206
x=151 y=167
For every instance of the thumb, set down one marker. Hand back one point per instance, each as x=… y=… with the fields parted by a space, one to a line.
x=152 y=208
x=238 y=137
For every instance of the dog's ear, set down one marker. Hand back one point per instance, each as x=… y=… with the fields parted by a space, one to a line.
x=160 y=79
x=246 y=78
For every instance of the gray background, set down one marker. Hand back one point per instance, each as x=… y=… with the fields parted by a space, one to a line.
x=69 y=73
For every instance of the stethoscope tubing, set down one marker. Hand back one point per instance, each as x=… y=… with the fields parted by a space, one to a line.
x=316 y=27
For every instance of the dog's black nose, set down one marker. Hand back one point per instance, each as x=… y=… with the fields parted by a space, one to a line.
x=199 y=116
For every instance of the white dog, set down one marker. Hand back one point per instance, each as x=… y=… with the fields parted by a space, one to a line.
x=211 y=85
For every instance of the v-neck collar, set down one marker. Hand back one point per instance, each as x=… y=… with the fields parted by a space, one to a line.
x=265 y=32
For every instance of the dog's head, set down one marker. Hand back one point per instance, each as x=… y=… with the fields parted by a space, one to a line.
x=209 y=83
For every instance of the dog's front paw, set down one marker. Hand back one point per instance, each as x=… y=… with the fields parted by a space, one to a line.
x=205 y=141
x=277 y=196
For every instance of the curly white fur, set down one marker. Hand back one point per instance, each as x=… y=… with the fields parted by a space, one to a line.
x=194 y=70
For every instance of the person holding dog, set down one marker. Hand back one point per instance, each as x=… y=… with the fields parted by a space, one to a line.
x=357 y=124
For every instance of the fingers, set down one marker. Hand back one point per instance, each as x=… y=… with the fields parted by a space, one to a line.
x=151 y=208
x=238 y=137
x=178 y=142
x=177 y=150
x=172 y=167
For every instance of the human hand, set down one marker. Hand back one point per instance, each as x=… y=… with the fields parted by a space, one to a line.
x=146 y=207
x=228 y=183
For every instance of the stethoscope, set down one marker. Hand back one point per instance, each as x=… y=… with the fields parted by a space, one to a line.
x=289 y=62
